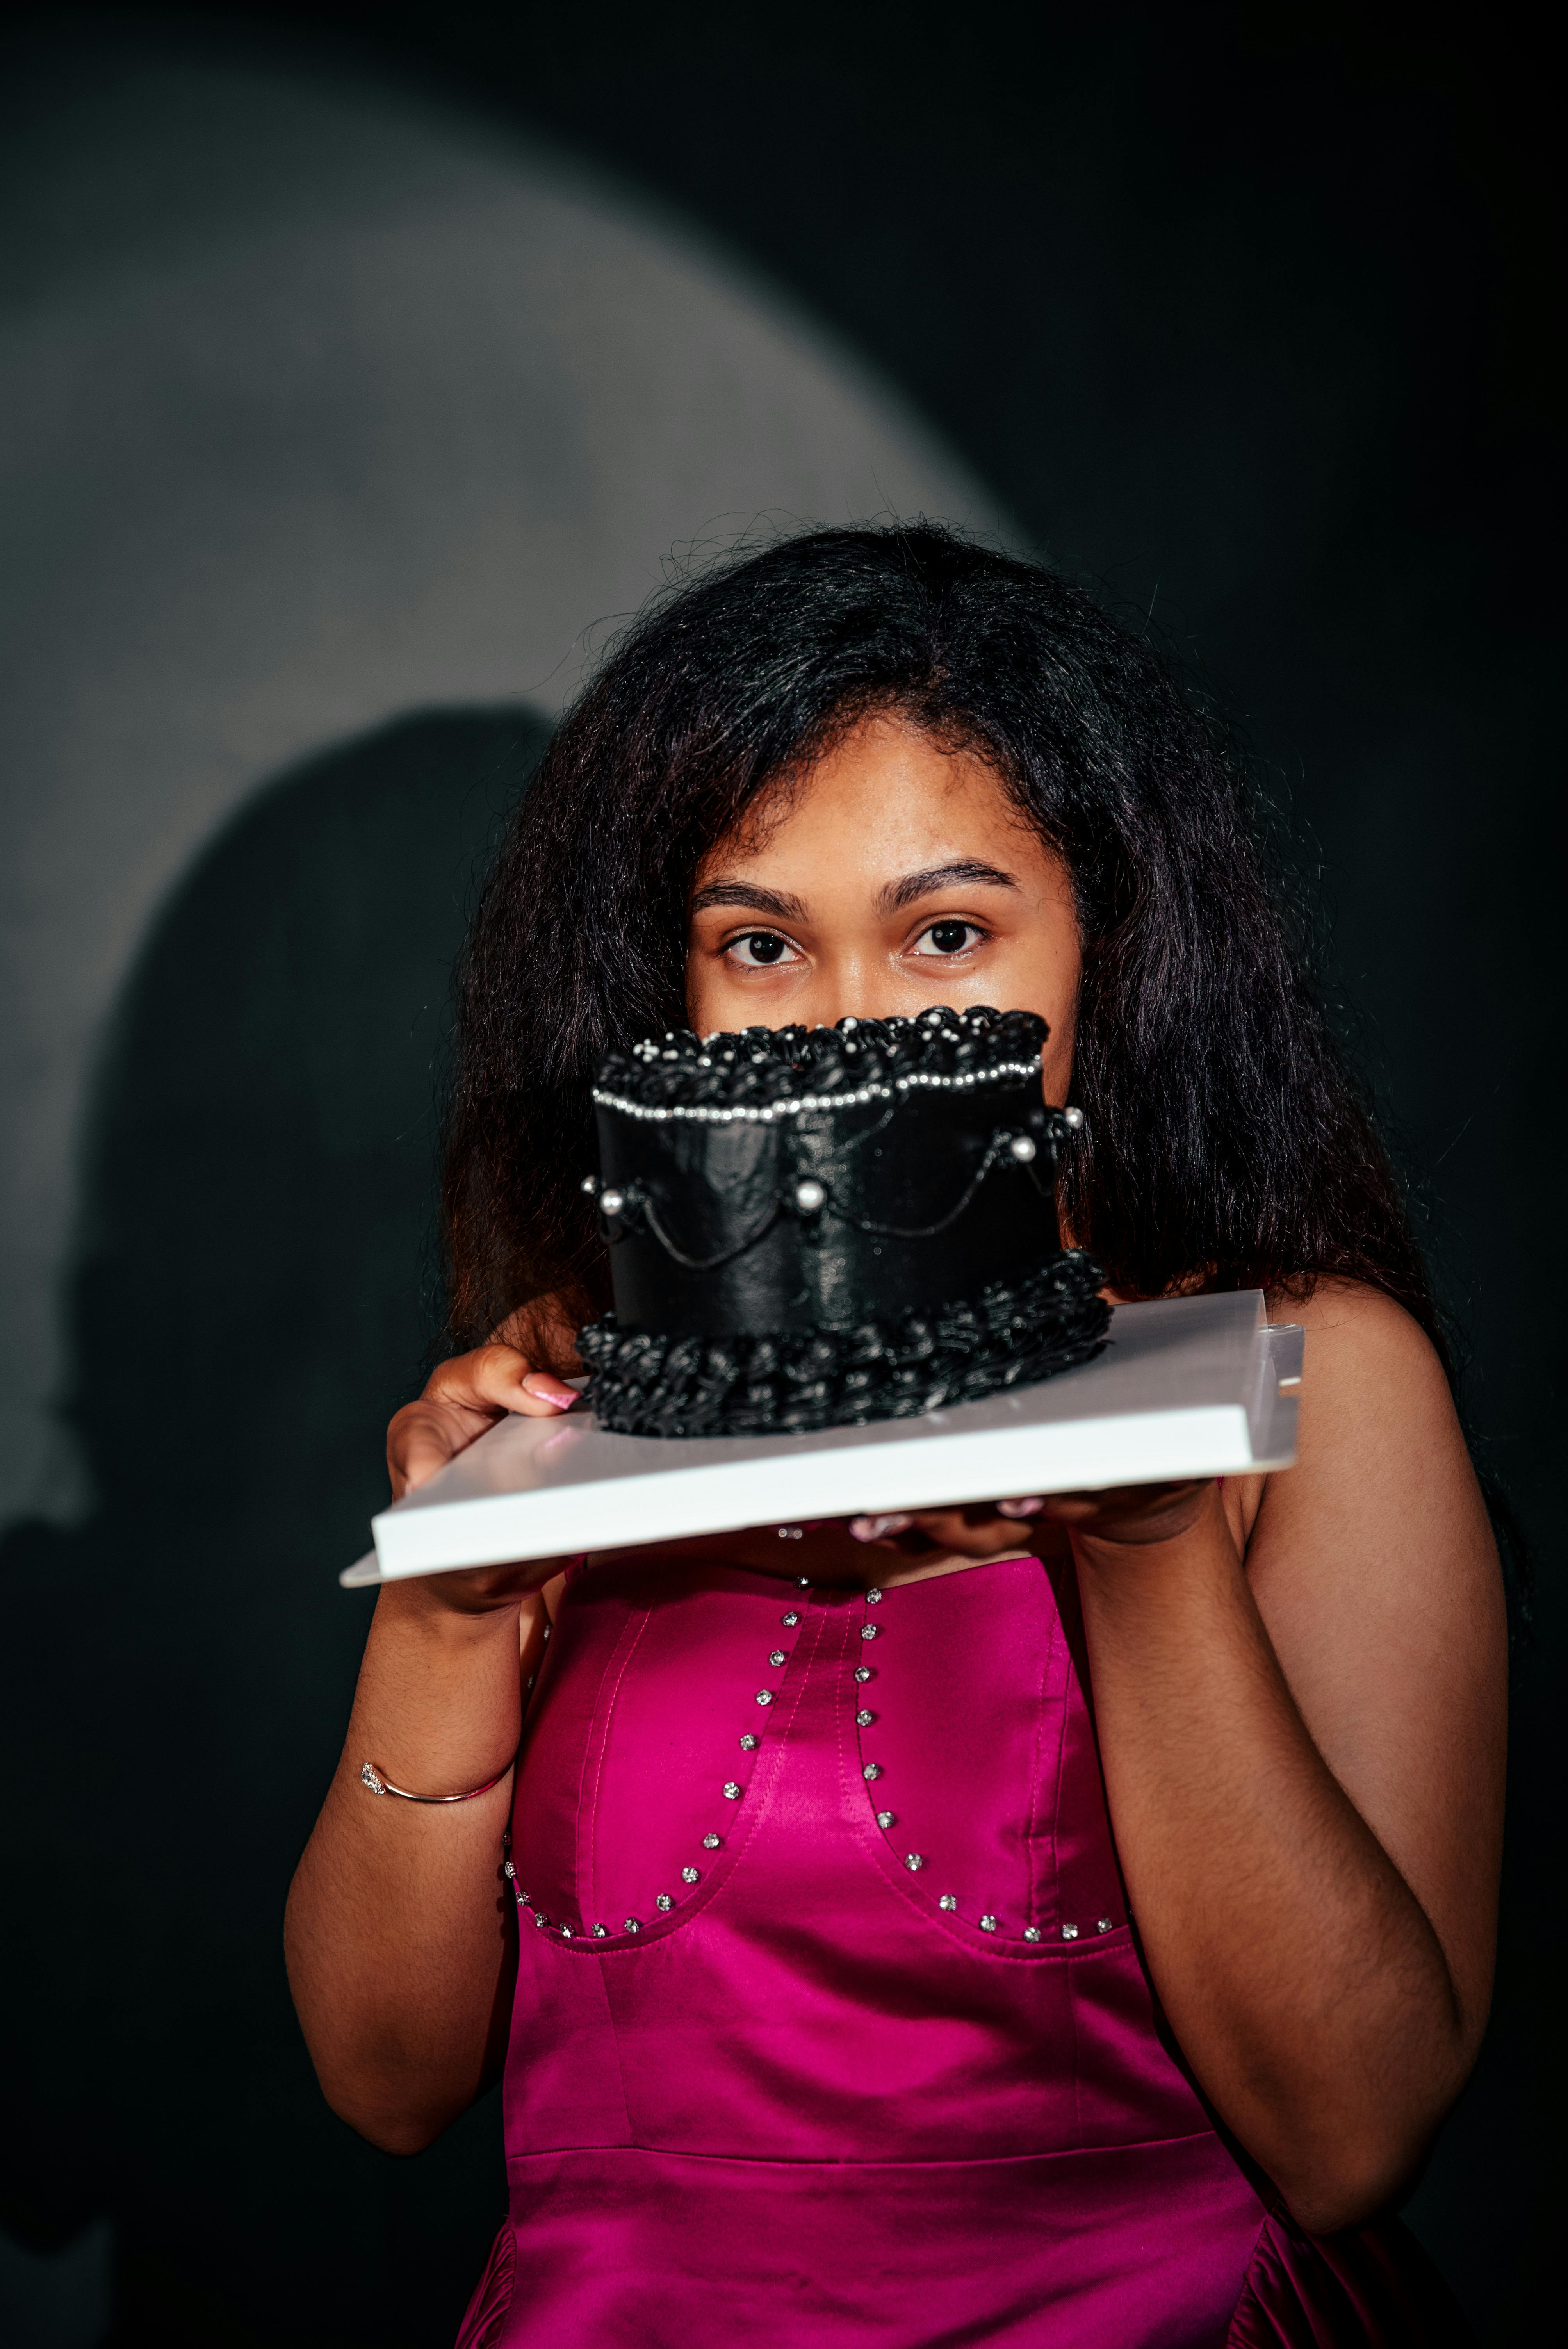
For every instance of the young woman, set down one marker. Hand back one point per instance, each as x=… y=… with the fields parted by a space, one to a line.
x=1211 y=1776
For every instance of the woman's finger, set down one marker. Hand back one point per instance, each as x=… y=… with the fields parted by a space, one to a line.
x=424 y=1436
x=497 y=1378
x=463 y=1398
x=1020 y=1508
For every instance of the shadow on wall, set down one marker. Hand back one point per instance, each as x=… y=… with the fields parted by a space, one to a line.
x=253 y=1292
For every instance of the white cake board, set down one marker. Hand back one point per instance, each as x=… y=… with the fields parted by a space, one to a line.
x=1191 y=1386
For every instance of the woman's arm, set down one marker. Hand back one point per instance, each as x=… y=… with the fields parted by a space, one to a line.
x=1305 y=1764
x=399 y=1928
x=1302 y=1727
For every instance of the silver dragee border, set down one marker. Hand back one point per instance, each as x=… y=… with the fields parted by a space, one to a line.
x=701 y=1114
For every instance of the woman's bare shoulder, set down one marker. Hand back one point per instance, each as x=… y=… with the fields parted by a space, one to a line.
x=1364 y=1349
x=1380 y=1525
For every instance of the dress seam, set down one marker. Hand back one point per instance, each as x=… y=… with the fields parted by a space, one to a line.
x=589 y=1909
x=974 y=2161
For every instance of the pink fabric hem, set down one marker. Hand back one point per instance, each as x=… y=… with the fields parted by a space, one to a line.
x=487 y=2313
x=1373 y=2289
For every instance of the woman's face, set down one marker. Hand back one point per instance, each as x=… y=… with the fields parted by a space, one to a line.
x=899 y=875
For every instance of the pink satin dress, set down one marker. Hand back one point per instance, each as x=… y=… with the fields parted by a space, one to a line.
x=831 y=2023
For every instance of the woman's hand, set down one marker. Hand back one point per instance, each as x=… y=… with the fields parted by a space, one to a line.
x=1134 y=1514
x=466 y=1396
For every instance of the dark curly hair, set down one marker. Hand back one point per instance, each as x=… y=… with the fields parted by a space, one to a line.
x=1227 y=1146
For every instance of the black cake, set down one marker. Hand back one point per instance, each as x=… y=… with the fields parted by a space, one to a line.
x=815 y=1228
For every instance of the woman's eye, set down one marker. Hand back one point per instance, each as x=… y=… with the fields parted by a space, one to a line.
x=761 y=949
x=949 y=937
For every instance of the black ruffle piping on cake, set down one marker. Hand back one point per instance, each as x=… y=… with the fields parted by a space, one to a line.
x=1013 y=1334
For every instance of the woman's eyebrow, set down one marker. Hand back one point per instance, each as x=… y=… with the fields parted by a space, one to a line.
x=751 y=898
x=900 y=893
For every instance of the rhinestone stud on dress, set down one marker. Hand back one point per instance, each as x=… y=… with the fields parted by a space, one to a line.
x=790 y=1620
x=1031 y=1932
x=777 y=1657
x=863 y=1719
x=1102 y=1924
x=662 y=1900
x=862 y=1672
x=711 y=1842
x=633 y=1924
x=915 y=1861
x=868 y=1630
x=764 y=1696
x=731 y=1791
x=691 y=1875
x=987 y=1924
x=887 y=1818
x=873 y=1597
x=872 y=1771
x=1069 y=1932
x=948 y=1900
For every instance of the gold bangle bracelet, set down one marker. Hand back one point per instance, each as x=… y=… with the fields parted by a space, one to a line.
x=371 y=1776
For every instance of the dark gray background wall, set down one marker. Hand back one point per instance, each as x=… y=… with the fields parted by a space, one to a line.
x=364 y=359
